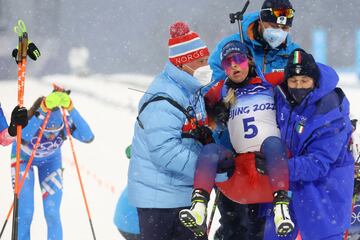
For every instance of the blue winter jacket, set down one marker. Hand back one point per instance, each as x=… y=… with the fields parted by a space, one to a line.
x=162 y=165
x=321 y=168
x=266 y=58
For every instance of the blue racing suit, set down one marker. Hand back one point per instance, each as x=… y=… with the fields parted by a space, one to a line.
x=48 y=161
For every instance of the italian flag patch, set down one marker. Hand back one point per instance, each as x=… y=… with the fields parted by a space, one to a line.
x=297 y=57
x=300 y=128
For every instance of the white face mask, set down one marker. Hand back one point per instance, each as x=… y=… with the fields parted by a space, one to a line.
x=274 y=36
x=203 y=74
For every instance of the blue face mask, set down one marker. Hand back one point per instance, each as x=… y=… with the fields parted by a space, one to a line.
x=274 y=36
x=299 y=93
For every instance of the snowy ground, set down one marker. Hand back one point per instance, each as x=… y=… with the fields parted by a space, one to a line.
x=110 y=108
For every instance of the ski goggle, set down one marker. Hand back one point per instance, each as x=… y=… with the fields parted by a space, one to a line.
x=289 y=13
x=237 y=58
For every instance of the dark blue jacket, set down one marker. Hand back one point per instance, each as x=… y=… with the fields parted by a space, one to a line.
x=321 y=168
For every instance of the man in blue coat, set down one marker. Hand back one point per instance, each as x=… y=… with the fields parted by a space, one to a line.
x=266 y=33
x=313 y=117
x=170 y=131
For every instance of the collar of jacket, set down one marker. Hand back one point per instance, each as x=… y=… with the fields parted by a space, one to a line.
x=184 y=80
x=249 y=23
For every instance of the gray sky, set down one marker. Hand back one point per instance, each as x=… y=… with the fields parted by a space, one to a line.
x=132 y=35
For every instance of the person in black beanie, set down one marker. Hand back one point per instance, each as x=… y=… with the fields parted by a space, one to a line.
x=266 y=33
x=313 y=116
x=301 y=74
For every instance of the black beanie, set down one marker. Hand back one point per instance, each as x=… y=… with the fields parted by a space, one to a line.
x=301 y=63
x=267 y=16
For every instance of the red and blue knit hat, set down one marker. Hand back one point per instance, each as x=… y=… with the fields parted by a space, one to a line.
x=185 y=45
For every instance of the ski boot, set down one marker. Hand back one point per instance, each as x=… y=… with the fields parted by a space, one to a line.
x=283 y=223
x=195 y=217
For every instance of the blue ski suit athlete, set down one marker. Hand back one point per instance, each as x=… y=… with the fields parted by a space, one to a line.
x=321 y=168
x=48 y=162
x=266 y=58
x=162 y=166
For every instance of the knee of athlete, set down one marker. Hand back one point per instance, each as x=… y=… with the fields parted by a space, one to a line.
x=211 y=152
x=26 y=215
x=271 y=144
x=52 y=215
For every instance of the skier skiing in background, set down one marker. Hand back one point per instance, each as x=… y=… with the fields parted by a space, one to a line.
x=126 y=218
x=47 y=159
x=8 y=132
x=249 y=97
x=313 y=116
x=170 y=131
x=267 y=35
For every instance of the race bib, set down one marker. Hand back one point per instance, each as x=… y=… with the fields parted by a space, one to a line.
x=252 y=120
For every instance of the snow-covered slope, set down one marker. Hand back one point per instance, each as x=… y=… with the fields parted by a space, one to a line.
x=109 y=106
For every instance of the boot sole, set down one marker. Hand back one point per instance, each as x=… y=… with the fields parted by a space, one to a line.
x=285 y=228
x=189 y=222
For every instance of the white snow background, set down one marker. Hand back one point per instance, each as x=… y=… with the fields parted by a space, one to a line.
x=109 y=107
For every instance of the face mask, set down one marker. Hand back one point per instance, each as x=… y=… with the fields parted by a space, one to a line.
x=299 y=93
x=274 y=36
x=203 y=75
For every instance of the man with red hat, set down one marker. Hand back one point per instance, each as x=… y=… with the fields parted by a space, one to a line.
x=170 y=130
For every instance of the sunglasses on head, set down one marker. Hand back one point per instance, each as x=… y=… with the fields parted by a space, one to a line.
x=289 y=13
x=237 y=58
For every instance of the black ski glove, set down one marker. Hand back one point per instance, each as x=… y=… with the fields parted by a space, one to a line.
x=356 y=185
x=354 y=123
x=19 y=117
x=219 y=112
x=203 y=134
x=33 y=52
x=260 y=163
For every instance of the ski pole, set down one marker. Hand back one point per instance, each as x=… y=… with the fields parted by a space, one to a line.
x=27 y=168
x=20 y=30
x=238 y=16
x=212 y=214
x=78 y=171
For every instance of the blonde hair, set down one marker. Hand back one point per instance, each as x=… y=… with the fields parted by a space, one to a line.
x=230 y=98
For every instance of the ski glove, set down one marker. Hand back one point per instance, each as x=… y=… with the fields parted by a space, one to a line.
x=219 y=112
x=260 y=163
x=356 y=185
x=33 y=52
x=58 y=99
x=19 y=117
x=203 y=134
x=355 y=141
